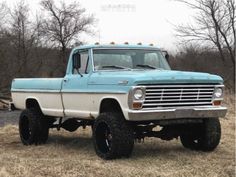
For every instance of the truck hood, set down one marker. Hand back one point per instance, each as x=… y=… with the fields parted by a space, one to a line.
x=151 y=77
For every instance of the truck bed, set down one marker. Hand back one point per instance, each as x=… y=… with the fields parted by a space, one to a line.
x=47 y=91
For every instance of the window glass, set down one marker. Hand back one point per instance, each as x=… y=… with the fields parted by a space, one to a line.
x=152 y=59
x=106 y=59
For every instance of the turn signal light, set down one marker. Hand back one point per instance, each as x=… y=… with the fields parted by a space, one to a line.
x=112 y=43
x=137 y=105
x=217 y=103
x=139 y=43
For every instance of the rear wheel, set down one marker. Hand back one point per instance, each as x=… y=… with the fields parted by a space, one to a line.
x=44 y=130
x=112 y=136
x=33 y=128
x=205 y=136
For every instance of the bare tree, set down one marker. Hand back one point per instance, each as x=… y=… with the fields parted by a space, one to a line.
x=64 y=23
x=3 y=17
x=3 y=14
x=3 y=41
x=214 y=24
x=24 y=36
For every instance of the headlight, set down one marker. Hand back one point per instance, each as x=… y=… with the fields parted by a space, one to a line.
x=136 y=97
x=138 y=94
x=218 y=93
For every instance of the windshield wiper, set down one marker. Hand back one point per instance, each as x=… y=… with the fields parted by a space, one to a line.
x=115 y=66
x=146 y=66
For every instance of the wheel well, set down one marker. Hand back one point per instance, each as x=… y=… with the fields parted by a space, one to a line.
x=110 y=105
x=32 y=103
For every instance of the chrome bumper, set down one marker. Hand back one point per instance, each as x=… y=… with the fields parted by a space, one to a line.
x=177 y=113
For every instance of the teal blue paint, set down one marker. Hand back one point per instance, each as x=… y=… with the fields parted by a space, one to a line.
x=37 y=83
x=152 y=77
x=108 y=81
x=75 y=82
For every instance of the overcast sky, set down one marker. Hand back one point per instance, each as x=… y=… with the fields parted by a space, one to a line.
x=146 y=21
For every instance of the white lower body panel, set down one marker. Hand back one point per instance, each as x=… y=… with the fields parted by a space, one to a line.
x=87 y=105
x=81 y=105
x=50 y=103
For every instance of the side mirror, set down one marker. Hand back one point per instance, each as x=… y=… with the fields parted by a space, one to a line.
x=166 y=55
x=76 y=61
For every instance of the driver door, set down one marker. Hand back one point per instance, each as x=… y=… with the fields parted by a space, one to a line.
x=75 y=99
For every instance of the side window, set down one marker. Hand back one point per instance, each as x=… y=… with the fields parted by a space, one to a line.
x=84 y=62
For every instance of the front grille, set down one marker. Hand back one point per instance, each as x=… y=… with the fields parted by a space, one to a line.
x=178 y=95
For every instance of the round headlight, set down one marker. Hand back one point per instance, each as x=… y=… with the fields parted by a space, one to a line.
x=138 y=94
x=218 y=92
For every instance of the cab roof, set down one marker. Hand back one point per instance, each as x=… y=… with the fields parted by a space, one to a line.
x=114 y=46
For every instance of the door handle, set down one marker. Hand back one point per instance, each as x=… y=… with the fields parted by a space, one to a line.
x=65 y=80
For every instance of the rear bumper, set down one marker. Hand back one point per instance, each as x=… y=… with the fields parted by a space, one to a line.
x=177 y=113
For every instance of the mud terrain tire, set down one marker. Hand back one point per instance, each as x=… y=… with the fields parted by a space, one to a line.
x=204 y=137
x=33 y=128
x=112 y=136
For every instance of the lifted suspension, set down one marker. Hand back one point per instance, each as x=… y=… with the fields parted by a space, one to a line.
x=166 y=133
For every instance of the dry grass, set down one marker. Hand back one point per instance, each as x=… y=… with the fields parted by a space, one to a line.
x=3 y=105
x=72 y=154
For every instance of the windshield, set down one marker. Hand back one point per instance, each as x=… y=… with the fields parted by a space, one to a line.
x=123 y=59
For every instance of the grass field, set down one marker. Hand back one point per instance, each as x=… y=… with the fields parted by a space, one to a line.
x=72 y=154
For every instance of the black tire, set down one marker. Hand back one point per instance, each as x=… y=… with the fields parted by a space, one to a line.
x=44 y=130
x=112 y=136
x=32 y=127
x=204 y=137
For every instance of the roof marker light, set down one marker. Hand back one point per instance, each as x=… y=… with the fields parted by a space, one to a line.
x=139 y=43
x=151 y=44
x=96 y=43
x=126 y=43
x=112 y=43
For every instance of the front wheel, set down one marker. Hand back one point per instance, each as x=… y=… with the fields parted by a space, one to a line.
x=205 y=136
x=112 y=136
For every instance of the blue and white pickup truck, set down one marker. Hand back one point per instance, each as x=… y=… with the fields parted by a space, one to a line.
x=123 y=92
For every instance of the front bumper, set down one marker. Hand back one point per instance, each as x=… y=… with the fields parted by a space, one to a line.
x=177 y=113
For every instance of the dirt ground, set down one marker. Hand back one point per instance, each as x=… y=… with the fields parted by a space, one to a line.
x=72 y=154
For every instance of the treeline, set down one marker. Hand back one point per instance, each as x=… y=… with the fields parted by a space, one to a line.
x=199 y=59
x=37 y=45
x=43 y=62
x=214 y=29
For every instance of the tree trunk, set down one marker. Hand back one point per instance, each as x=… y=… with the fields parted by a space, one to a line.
x=63 y=54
